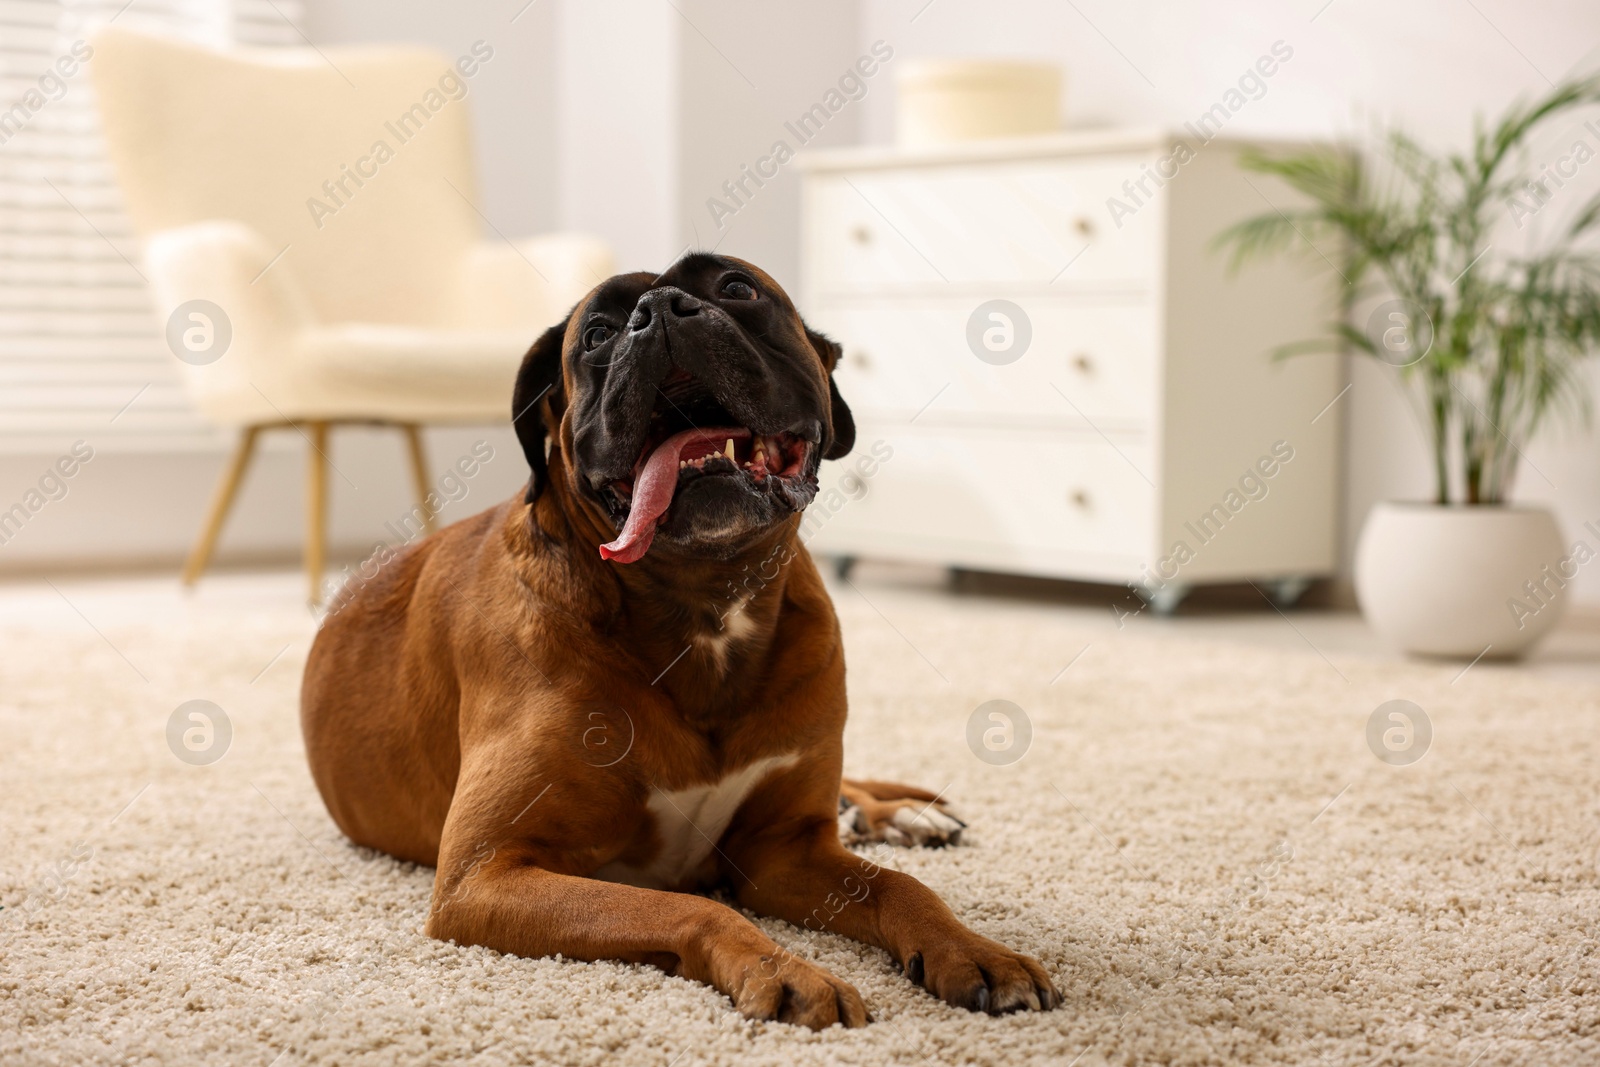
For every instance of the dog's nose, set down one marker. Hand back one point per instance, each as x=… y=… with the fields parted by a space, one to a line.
x=667 y=302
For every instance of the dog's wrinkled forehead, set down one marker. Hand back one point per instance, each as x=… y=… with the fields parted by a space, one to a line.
x=699 y=274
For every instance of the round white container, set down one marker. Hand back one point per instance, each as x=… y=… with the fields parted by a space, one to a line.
x=1447 y=581
x=945 y=100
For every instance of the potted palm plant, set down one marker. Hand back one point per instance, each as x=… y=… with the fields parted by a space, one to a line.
x=1488 y=342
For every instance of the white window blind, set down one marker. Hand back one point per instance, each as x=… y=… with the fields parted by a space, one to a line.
x=80 y=350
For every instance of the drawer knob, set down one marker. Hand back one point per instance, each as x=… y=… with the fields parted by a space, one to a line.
x=861 y=235
x=860 y=360
x=1083 y=363
x=1080 y=499
x=1084 y=227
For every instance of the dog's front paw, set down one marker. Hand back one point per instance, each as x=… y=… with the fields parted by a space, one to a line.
x=780 y=986
x=915 y=818
x=975 y=973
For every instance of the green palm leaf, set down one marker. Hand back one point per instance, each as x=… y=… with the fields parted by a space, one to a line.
x=1508 y=333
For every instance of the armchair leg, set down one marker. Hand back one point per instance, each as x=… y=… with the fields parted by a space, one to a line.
x=419 y=472
x=316 y=506
x=221 y=504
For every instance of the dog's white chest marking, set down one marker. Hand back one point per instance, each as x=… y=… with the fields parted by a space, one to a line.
x=689 y=823
x=735 y=625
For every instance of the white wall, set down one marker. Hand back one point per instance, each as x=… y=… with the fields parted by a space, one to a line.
x=747 y=70
x=1426 y=64
x=617 y=135
x=662 y=103
x=513 y=99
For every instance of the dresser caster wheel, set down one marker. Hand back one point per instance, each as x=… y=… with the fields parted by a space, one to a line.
x=1286 y=592
x=1165 y=601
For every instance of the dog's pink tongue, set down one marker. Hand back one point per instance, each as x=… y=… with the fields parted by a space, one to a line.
x=652 y=492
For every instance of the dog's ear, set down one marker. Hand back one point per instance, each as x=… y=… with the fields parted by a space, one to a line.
x=844 y=424
x=539 y=375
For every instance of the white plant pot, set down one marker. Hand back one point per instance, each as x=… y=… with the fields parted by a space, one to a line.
x=1448 y=581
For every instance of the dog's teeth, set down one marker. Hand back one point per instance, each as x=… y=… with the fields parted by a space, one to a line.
x=727 y=449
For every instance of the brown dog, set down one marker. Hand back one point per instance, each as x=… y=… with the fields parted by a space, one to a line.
x=580 y=705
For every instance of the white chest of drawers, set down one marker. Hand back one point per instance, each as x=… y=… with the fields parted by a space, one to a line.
x=1143 y=436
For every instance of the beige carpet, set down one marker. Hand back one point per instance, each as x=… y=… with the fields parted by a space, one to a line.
x=1167 y=847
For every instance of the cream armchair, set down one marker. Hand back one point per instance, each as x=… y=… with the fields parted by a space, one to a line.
x=320 y=206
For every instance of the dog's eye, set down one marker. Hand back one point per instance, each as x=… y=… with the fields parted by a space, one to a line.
x=738 y=289
x=596 y=335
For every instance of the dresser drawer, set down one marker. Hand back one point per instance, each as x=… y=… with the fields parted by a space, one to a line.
x=1020 y=223
x=971 y=490
x=913 y=359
